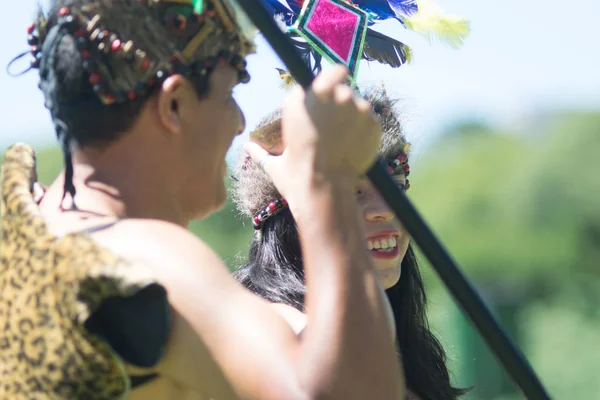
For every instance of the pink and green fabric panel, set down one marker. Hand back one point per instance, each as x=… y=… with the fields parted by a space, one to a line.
x=336 y=29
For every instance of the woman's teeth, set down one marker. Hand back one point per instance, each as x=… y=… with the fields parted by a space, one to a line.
x=382 y=244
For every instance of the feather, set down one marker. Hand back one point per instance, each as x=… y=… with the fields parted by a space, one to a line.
x=288 y=79
x=295 y=5
x=405 y=8
x=431 y=22
x=281 y=11
x=380 y=9
x=308 y=54
x=276 y=7
x=385 y=9
x=386 y=50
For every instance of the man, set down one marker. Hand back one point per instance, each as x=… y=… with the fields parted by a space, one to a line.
x=106 y=289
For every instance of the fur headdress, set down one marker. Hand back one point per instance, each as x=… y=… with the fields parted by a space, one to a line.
x=253 y=190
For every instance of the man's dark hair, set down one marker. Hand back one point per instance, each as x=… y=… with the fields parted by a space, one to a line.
x=91 y=122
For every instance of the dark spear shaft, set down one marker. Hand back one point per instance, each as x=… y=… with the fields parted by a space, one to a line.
x=456 y=282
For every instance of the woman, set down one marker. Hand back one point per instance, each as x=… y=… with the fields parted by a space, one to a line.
x=274 y=269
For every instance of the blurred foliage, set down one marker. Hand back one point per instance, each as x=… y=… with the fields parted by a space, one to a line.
x=519 y=209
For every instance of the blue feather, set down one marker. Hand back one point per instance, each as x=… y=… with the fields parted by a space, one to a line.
x=380 y=8
x=275 y=7
x=384 y=9
x=403 y=8
x=279 y=8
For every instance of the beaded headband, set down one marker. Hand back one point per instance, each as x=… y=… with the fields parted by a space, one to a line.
x=398 y=165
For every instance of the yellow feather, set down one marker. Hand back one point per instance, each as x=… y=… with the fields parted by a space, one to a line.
x=408 y=53
x=431 y=22
x=288 y=79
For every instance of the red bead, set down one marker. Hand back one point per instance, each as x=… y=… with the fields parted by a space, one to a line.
x=256 y=221
x=95 y=78
x=284 y=202
x=31 y=28
x=406 y=168
x=63 y=11
x=390 y=169
x=407 y=186
x=145 y=64
x=182 y=22
x=402 y=158
x=115 y=45
x=272 y=207
x=131 y=95
x=86 y=55
x=109 y=98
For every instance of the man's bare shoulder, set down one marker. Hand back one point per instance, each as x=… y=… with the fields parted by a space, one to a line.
x=161 y=244
x=295 y=319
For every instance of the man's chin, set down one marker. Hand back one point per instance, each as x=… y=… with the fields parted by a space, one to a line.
x=217 y=204
x=219 y=199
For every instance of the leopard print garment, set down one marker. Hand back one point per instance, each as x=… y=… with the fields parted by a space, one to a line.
x=49 y=286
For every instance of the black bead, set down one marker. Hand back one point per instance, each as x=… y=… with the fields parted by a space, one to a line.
x=244 y=76
x=69 y=22
x=32 y=40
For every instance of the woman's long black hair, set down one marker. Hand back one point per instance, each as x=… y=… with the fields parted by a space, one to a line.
x=274 y=272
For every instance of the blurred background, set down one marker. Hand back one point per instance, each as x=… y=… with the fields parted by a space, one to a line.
x=506 y=137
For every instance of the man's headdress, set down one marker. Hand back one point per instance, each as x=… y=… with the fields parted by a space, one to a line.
x=129 y=47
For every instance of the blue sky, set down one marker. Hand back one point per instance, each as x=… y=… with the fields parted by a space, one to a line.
x=522 y=58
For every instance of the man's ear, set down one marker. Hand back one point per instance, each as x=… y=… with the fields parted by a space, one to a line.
x=170 y=99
